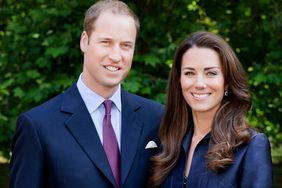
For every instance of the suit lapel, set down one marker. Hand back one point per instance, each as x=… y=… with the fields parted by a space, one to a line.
x=130 y=133
x=81 y=127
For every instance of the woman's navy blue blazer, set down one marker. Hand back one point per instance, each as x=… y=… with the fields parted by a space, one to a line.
x=252 y=167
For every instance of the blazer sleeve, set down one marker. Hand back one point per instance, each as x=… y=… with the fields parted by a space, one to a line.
x=26 y=166
x=257 y=168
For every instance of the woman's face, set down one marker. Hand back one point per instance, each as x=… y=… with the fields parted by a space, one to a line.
x=202 y=80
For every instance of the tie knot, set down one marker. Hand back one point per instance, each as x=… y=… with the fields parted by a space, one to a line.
x=108 y=106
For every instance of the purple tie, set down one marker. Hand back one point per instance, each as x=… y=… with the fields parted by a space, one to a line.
x=110 y=143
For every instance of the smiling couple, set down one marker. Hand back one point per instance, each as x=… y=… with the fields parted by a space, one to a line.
x=96 y=134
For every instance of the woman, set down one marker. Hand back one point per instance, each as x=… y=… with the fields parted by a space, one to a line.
x=206 y=141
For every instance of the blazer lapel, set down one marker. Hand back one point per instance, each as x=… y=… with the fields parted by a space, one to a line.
x=130 y=133
x=81 y=127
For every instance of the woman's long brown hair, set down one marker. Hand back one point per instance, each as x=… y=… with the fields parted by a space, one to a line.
x=229 y=129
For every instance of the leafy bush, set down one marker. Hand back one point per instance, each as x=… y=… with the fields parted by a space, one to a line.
x=40 y=55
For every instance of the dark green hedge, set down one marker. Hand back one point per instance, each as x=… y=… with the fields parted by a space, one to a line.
x=40 y=55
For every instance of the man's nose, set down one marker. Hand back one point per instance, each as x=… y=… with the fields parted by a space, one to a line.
x=115 y=54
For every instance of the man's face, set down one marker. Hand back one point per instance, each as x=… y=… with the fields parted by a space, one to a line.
x=108 y=52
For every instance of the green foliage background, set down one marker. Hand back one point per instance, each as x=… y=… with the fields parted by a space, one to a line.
x=40 y=54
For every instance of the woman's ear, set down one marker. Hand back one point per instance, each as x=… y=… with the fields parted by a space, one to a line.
x=226 y=86
x=84 y=41
x=226 y=92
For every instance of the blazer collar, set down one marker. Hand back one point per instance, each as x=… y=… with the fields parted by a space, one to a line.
x=81 y=127
x=132 y=125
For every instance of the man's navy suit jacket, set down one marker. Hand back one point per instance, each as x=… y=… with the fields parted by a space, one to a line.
x=56 y=144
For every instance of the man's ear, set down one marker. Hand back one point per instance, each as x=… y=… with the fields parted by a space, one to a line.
x=84 y=41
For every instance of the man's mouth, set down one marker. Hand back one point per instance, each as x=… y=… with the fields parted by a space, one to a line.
x=112 y=68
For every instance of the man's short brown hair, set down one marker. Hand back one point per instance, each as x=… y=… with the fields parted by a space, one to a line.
x=115 y=6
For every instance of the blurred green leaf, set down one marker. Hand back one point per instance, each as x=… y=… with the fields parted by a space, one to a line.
x=56 y=51
x=40 y=54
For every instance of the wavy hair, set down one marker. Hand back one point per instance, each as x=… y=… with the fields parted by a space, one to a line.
x=229 y=127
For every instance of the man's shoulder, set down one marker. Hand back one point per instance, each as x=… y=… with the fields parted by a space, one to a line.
x=144 y=101
x=48 y=106
x=51 y=105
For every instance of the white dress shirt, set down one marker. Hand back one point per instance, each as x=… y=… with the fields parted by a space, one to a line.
x=95 y=107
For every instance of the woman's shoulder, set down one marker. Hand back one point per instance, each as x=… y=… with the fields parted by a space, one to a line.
x=258 y=145
x=257 y=162
x=258 y=137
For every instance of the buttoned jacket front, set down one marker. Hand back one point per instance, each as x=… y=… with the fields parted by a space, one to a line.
x=56 y=144
x=252 y=167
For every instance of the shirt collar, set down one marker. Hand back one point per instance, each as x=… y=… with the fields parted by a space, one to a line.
x=92 y=100
x=188 y=138
x=116 y=98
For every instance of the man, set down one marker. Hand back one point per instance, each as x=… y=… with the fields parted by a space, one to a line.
x=95 y=134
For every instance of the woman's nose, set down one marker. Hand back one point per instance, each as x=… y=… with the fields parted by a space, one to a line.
x=200 y=82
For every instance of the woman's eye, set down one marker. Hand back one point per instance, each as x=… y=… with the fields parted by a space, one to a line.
x=212 y=73
x=189 y=73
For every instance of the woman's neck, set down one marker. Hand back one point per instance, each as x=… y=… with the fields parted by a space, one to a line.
x=202 y=123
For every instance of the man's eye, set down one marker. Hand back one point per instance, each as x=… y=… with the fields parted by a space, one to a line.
x=127 y=46
x=105 y=42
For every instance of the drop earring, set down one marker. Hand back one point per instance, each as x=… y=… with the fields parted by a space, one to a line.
x=226 y=93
